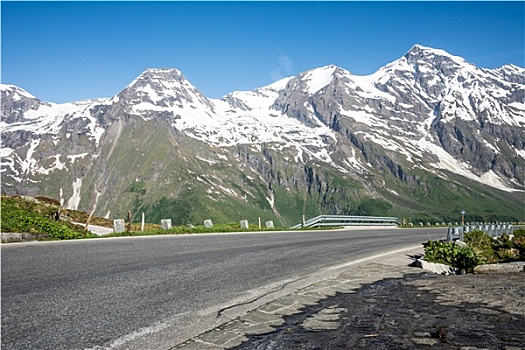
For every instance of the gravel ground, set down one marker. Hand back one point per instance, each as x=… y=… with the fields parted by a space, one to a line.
x=418 y=311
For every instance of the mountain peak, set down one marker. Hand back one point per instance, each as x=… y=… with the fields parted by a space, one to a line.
x=153 y=76
x=161 y=90
x=316 y=79
x=512 y=67
x=162 y=73
x=159 y=80
x=15 y=92
x=423 y=52
x=511 y=73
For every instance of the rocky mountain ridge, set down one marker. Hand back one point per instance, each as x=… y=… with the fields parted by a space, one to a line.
x=323 y=141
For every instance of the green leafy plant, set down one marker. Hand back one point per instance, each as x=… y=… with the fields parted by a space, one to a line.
x=511 y=248
x=483 y=245
x=480 y=249
x=496 y=250
x=519 y=242
x=451 y=254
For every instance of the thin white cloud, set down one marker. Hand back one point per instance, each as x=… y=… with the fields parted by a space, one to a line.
x=284 y=67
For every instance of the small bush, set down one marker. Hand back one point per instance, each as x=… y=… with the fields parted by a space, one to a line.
x=511 y=249
x=519 y=242
x=481 y=249
x=451 y=254
x=519 y=233
x=482 y=245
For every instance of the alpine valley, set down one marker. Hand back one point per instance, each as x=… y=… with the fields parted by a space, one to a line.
x=422 y=138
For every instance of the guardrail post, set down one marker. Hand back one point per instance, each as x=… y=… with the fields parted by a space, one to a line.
x=165 y=224
x=208 y=223
x=450 y=234
x=118 y=225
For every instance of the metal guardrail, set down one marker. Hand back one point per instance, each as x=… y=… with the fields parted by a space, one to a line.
x=456 y=233
x=345 y=220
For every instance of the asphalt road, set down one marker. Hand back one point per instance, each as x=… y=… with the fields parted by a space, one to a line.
x=155 y=292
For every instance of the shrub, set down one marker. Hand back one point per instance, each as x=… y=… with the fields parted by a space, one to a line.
x=481 y=249
x=482 y=245
x=519 y=242
x=520 y=233
x=451 y=254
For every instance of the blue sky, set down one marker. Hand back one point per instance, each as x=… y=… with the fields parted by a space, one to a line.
x=66 y=51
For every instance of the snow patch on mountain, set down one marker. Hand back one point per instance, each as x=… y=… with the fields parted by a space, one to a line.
x=449 y=163
x=319 y=78
x=49 y=118
x=57 y=165
x=27 y=165
x=73 y=157
x=258 y=99
x=5 y=152
x=210 y=162
x=74 y=201
x=366 y=85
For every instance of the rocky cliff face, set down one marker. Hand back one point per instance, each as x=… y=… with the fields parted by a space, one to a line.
x=16 y=102
x=425 y=136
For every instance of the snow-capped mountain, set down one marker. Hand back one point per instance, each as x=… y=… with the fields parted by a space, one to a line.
x=428 y=104
x=428 y=134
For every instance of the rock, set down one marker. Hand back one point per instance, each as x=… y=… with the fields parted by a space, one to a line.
x=208 y=223
x=460 y=243
x=440 y=269
x=518 y=266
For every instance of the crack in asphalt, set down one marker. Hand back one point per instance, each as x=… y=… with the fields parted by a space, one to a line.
x=221 y=311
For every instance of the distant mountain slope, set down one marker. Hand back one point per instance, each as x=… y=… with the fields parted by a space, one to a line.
x=422 y=138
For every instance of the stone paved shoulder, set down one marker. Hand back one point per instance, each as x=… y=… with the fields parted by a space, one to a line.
x=265 y=319
x=383 y=305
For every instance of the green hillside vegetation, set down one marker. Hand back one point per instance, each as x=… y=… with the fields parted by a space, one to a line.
x=46 y=220
x=38 y=217
x=153 y=169
x=439 y=200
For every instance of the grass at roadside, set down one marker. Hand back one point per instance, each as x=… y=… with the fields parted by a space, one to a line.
x=135 y=230
x=38 y=218
x=46 y=220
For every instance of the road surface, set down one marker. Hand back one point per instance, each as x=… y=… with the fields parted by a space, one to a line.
x=155 y=292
